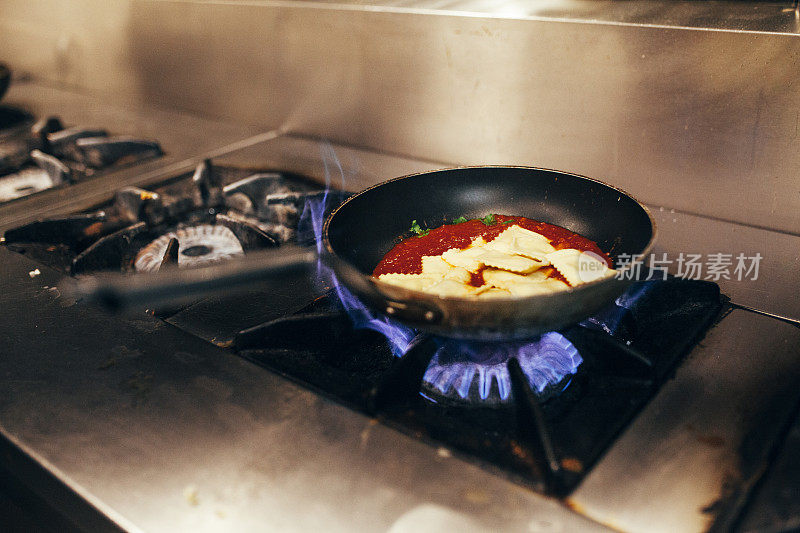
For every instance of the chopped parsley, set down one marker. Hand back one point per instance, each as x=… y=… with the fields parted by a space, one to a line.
x=488 y=220
x=416 y=228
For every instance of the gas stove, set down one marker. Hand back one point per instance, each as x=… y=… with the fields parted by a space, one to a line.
x=543 y=410
x=662 y=411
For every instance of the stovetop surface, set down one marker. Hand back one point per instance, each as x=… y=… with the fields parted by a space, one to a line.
x=114 y=406
x=505 y=404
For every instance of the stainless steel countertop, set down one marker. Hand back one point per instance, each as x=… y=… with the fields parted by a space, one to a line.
x=692 y=439
x=179 y=434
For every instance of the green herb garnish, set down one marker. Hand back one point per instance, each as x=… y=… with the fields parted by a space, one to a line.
x=460 y=220
x=509 y=221
x=416 y=228
x=488 y=219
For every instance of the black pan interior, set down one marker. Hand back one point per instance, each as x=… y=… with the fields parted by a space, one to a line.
x=371 y=223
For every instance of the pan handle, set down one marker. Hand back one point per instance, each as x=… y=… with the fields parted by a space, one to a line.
x=174 y=286
x=408 y=311
x=412 y=313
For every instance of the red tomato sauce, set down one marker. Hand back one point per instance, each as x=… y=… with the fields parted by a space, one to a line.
x=406 y=256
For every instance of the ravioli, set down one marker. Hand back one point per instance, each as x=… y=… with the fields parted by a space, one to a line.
x=519 y=241
x=466 y=258
x=504 y=261
x=518 y=285
x=579 y=267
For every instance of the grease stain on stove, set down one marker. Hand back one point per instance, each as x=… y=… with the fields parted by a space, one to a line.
x=126 y=352
x=93 y=230
x=709 y=439
x=544 y=526
x=572 y=464
x=108 y=363
x=331 y=427
x=187 y=357
x=575 y=506
x=365 y=433
x=49 y=292
x=718 y=508
x=140 y=384
x=233 y=415
x=476 y=496
x=225 y=343
x=216 y=388
x=191 y=495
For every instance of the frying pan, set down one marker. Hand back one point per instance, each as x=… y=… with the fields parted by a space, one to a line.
x=366 y=226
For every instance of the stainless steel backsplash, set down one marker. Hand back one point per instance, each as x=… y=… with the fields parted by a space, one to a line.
x=701 y=117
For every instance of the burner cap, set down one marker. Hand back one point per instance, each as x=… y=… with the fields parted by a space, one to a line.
x=198 y=245
x=23 y=183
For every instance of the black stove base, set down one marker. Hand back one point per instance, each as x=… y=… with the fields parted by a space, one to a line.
x=548 y=441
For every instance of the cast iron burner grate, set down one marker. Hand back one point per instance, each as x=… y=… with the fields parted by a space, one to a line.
x=194 y=219
x=546 y=440
x=44 y=155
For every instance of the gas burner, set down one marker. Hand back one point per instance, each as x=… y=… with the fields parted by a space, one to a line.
x=198 y=245
x=26 y=181
x=212 y=214
x=48 y=172
x=273 y=201
x=63 y=154
x=100 y=152
x=478 y=372
x=17 y=147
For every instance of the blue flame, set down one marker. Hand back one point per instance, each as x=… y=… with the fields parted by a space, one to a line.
x=610 y=318
x=462 y=367
x=314 y=211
